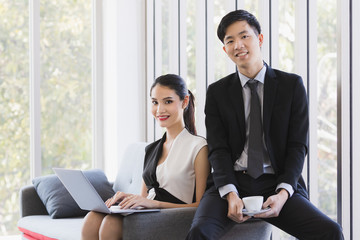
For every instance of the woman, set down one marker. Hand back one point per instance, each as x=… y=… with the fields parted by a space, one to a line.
x=175 y=167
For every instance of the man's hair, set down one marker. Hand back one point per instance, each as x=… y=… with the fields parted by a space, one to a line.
x=237 y=15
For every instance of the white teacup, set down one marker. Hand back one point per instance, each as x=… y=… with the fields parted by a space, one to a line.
x=253 y=203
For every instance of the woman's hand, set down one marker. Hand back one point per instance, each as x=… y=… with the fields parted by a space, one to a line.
x=118 y=197
x=137 y=201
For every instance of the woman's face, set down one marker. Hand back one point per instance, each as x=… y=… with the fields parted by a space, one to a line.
x=167 y=108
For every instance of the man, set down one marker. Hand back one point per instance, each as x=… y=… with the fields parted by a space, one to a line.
x=257 y=127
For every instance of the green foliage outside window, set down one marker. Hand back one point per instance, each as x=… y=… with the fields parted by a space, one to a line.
x=65 y=95
x=65 y=84
x=14 y=110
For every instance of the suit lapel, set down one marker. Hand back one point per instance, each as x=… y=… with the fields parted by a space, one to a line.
x=270 y=87
x=236 y=96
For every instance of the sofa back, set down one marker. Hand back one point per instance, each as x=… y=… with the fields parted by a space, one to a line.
x=130 y=168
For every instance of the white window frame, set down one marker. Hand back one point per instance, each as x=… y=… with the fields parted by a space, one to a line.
x=97 y=85
x=35 y=109
x=343 y=109
x=355 y=88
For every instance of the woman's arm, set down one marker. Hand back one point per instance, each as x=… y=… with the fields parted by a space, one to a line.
x=202 y=170
x=144 y=190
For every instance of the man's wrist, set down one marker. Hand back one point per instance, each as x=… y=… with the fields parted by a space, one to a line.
x=224 y=190
x=284 y=193
x=285 y=186
x=231 y=195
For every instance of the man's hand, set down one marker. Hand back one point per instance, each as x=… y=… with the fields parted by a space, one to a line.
x=276 y=203
x=235 y=208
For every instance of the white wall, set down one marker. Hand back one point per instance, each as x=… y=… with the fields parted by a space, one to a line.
x=124 y=78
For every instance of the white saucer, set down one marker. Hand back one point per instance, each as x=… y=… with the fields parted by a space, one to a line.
x=245 y=212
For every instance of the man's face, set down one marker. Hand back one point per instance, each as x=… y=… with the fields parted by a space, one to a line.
x=242 y=45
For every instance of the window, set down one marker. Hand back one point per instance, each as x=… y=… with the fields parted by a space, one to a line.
x=286 y=35
x=327 y=108
x=14 y=110
x=65 y=73
x=65 y=64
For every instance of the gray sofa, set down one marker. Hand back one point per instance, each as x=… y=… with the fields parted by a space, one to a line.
x=35 y=222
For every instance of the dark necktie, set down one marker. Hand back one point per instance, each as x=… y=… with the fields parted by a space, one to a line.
x=255 y=150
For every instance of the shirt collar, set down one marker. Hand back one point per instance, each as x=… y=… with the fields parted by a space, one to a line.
x=259 y=77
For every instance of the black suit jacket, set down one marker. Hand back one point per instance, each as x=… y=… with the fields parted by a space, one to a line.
x=285 y=124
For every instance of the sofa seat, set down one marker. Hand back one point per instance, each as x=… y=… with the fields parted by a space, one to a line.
x=164 y=225
x=168 y=224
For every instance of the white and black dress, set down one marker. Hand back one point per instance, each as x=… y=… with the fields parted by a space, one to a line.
x=174 y=179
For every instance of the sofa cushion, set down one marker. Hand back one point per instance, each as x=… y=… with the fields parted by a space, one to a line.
x=175 y=224
x=58 y=201
x=130 y=168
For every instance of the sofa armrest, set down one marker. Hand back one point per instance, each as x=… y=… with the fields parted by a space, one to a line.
x=30 y=202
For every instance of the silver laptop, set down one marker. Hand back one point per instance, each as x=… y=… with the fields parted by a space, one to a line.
x=86 y=196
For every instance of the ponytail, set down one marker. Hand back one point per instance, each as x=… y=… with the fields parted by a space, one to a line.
x=189 y=114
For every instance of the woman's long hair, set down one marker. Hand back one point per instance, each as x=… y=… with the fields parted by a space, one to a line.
x=176 y=83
